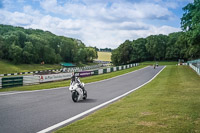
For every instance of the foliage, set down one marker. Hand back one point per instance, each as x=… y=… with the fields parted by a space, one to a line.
x=190 y=23
x=156 y=45
x=21 y=45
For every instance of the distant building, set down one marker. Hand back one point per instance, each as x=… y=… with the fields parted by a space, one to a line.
x=101 y=62
x=64 y=64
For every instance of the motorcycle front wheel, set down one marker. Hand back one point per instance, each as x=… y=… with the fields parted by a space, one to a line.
x=75 y=96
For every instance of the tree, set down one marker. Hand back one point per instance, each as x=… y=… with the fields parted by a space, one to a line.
x=190 y=23
x=91 y=54
x=15 y=53
x=115 y=57
x=173 y=50
x=139 y=50
x=28 y=53
x=123 y=54
x=1 y=47
x=182 y=45
x=156 y=45
x=38 y=45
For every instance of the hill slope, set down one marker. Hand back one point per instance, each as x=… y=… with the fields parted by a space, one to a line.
x=7 y=67
x=104 y=56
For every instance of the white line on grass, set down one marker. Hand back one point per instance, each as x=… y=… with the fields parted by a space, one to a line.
x=56 y=126
x=22 y=92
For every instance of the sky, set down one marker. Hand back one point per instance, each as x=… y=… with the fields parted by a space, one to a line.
x=100 y=23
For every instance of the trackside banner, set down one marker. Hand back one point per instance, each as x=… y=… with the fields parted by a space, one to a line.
x=85 y=73
x=54 y=77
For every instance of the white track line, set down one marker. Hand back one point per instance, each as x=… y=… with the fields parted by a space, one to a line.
x=56 y=126
x=22 y=92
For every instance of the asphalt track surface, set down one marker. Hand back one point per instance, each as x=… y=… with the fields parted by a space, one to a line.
x=31 y=112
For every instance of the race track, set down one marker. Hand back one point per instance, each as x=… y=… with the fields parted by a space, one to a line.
x=30 y=112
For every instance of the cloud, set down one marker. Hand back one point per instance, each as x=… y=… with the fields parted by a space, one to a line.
x=115 y=12
x=113 y=37
x=102 y=24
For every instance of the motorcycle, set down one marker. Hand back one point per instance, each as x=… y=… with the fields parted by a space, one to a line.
x=77 y=92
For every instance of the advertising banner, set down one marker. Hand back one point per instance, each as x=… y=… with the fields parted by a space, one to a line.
x=54 y=77
x=86 y=73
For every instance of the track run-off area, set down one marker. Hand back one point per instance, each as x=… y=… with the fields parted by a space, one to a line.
x=47 y=110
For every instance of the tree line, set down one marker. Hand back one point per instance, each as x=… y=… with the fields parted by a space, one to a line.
x=21 y=45
x=179 y=45
x=104 y=49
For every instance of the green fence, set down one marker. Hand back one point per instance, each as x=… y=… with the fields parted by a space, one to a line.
x=111 y=69
x=104 y=70
x=12 y=81
x=118 y=68
x=96 y=72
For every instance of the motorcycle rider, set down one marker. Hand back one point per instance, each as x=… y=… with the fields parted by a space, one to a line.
x=77 y=80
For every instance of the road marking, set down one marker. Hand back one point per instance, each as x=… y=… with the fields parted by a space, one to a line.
x=23 y=92
x=56 y=126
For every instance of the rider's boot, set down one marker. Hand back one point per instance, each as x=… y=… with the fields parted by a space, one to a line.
x=83 y=90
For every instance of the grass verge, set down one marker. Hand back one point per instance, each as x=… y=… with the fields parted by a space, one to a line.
x=67 y=82
x=161 y=63
x=8 y=67
x=169 y=104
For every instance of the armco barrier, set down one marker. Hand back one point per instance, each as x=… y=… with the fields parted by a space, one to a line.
x=124 y=67
x=114 y=69
x=127 y=66
x=104 y=70
x=12 y=81
x=36 y=79
x=117 y=68
x=108 y=70
x=100 y=71
x=76 y=69
x=111 y=69
x=31 y=80
x=195 y=68
x=0 y=82
x=96 y=72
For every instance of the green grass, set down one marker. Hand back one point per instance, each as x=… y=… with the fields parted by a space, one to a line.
x=8 y=67
x=104 y=56
x=168 y=104
x=67 y=82
x=161 y=63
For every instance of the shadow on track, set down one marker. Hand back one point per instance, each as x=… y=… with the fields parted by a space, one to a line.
x=88 y=101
